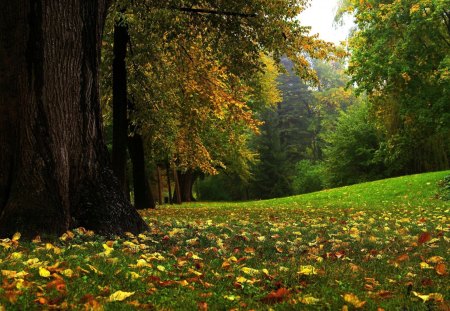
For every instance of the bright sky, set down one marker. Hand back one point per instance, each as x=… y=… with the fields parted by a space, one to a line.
x=320 y=16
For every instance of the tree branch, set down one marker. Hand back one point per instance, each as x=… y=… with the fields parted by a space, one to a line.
x=213 y=12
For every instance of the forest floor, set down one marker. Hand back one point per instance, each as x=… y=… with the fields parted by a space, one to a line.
x=380 y=245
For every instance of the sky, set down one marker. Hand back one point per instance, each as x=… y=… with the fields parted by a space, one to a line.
x=320 y=16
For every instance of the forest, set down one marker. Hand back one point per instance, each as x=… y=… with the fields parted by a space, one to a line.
x=220 y=151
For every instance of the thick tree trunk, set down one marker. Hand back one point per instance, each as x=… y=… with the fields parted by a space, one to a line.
x=143 y=197
x=54 y=164
x=120 y=118
x=186 y=181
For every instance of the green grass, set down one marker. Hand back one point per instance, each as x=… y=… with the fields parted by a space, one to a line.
x=384 y=242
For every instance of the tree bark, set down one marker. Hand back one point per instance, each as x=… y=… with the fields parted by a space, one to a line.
x=177 y=192
x=186 y=181
x=54 y=164
x=143 y=197
x=120 y=117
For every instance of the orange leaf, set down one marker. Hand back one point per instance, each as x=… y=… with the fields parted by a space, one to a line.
x=202 y=306
x=424 y=237
x=401 y=258
x=276 y=296
x=441 y=269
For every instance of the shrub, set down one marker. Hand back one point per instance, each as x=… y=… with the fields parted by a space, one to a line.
x=308 y=178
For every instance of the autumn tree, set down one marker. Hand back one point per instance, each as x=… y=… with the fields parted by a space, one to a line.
x=159 y=68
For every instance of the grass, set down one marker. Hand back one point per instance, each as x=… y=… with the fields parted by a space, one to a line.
x=383 y=244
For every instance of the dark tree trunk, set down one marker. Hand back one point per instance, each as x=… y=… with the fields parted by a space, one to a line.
x=176 y=192
x=169 y=187
x=160 y=198
x=143 y=197
x=54 y=167
x=120 y=118
x=186 y=181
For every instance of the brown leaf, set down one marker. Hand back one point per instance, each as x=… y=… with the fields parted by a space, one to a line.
x=276 y=296
x=385 y=294
x=424 y=237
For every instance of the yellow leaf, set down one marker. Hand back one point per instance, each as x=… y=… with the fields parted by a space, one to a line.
x=354 y=300
x=44 y=272
x=16 y=255
x=231 y=297
x=161 y=268
x=16 y=236
x=184 y=283
x=309 y=300
x=95 y=270
x=32 y=261
x=142 y=263
x=250 y=271
x=421 y=296
x=120 y=295
x=307 y=270
x=134 y=275
x=108 y=250
x=435 y=259
x=67 y=272
x=241 y=279
x=424 y=265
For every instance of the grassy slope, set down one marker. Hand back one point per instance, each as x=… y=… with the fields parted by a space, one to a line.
x=383 y=242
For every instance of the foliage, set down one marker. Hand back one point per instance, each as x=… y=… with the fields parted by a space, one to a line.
x=198 y=71
x=351 y=153
x=309 y=177
x=400 y=57
x=376 y=245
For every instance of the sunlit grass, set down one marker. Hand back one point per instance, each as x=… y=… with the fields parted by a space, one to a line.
x=386 y=243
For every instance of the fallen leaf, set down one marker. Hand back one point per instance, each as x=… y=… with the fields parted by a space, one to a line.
x=424 y=237
x=202 y=306
x=309 y=300
x=435 y=259
x=276 y=296
x=307 y=270
x=354 y=300
x=250 y=271
x=120 y=295
x=44 y=272
x=441 y=269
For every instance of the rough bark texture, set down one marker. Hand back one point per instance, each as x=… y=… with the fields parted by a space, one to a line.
x=143 y=197
x=54 y=171
x=120 y=118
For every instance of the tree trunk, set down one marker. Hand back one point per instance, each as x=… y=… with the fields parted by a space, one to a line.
x=160 y=198
x=54 y=166
x=176 y=194
x=143 y=197
x=186 y=181
x=120 y=118
x=169 y=188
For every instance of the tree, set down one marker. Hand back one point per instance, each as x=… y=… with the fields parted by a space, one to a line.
x=400 y=57
x=352 y=149
x=54 y=166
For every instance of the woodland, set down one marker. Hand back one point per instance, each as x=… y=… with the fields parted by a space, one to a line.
x=140 y=139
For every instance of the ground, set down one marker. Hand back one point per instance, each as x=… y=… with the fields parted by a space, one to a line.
x=376 y=245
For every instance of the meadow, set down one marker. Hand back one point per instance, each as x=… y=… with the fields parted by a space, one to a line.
x=383 y=245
